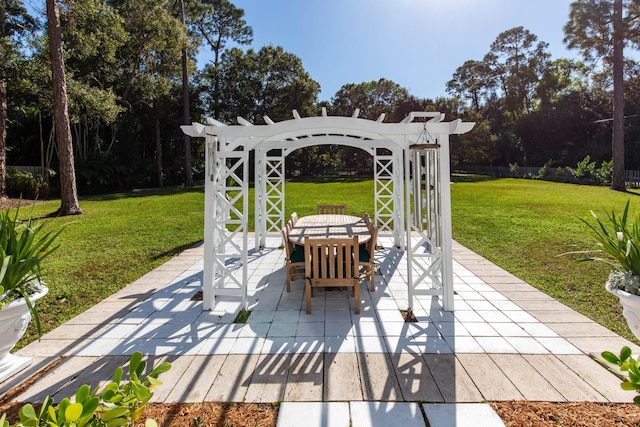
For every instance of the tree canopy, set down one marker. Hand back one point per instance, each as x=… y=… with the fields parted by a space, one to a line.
x=132 y=79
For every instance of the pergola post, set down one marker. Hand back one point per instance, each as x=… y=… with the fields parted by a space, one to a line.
x=446 y=240
x=208 y=299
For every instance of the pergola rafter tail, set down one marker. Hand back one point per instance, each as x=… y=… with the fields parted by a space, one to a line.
x=411 y=168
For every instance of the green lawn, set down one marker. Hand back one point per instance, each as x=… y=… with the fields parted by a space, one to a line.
x=521 y=225
x=524 y=226
x=118 y=239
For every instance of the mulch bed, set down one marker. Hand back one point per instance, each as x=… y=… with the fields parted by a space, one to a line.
x=512 y=413
x=581 y=414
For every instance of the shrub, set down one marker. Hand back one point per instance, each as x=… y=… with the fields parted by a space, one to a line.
x=543 y=172
x=26 y=185
x=587 y=172
x=626 y=366
x=514 y=169
x=120 y=403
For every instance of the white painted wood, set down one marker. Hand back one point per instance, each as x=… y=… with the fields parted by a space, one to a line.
x=401 y=165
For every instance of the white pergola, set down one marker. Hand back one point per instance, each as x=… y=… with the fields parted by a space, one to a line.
x=411 y=181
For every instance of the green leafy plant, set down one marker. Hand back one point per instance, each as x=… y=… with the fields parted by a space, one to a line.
x=243 y=316
x=23 y=246
x=626 y=366
x=120 y=403
x=618 y=237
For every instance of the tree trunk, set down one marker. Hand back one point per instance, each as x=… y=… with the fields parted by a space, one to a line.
x=617 y=178
x=3 y=135
x=186 y=117
x=3 y=111
x=156 y=120
x=68 y=192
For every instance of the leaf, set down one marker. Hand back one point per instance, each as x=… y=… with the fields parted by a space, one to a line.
x=154 y=382
x=117 y=375
x=52 y=414
x=150 y=423
x=625 y=353
x=83 y=393
x=610 y=357
x=141 y=392
x=134 y=362
x=27 y=412
x=90 y=406
x=116 y=412
x=117 y=422
x=163 y=367
x=73 y=412
x=626 y=385
x=138 y=413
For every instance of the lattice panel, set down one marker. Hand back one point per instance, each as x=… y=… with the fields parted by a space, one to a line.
x=275 y=193
x=424 y=227
x=384 y=191
x=230 y=222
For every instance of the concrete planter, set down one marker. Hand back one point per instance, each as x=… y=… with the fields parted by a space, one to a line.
x=14 y=319
x=630 y=308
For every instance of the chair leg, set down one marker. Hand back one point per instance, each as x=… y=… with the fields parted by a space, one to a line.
x=372 y=278
x=288 y=280
x=356 y=290
x=307 y=295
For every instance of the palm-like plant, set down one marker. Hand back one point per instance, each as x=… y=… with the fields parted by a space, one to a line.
x=23 y=245
x=619 y=238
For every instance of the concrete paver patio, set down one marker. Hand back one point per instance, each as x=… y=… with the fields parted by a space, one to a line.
x=506 y=340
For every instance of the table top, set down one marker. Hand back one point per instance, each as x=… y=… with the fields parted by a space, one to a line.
x=329 y=226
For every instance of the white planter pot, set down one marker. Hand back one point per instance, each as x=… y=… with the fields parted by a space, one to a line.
x=630 y=308
x=14 y=319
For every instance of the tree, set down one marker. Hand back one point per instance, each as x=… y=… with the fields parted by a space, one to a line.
x=15 y=22
x=600 y=29
x=472 y=80
x=220 y=21
x=372 y=98
x=68 y=193
x=517 y=61
x=254 y=84
x=93 y=33
x=186 y=116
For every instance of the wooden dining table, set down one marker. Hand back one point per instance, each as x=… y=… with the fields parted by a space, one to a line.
x=329 y=226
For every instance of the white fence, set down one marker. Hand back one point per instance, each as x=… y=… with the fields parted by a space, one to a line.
x=632 y=178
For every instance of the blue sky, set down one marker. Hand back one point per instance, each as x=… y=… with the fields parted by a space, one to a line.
x=416 y=43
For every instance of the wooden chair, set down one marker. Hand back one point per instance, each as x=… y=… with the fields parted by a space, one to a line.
x=367 y=253
x=331 y=209
x=292 y=221
x=294 y=258
x=331 y=262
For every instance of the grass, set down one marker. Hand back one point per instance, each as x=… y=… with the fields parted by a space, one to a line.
x=524 y=226
x=520 y=225
x=119 y=238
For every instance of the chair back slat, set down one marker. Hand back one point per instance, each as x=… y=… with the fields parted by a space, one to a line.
x=332 y=262
x=331 y=209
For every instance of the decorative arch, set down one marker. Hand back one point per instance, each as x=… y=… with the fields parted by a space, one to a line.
x=411 y=168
